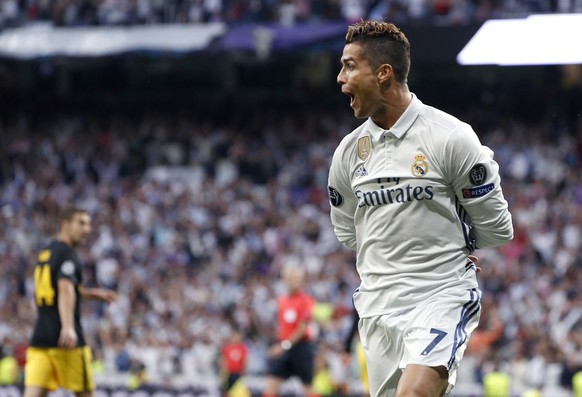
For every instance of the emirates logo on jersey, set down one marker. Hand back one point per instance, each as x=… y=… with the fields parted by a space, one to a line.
x=420 y=166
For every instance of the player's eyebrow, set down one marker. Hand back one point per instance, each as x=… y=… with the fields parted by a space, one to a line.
x=347 y=59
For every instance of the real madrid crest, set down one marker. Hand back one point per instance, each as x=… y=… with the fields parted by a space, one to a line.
x=364 y=147
x=419 y=167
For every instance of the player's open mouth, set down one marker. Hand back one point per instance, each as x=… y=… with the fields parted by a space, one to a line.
x=352 y=98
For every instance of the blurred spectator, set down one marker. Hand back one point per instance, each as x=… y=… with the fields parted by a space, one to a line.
x=233 y=357
x=9 y=368
x=132 y=12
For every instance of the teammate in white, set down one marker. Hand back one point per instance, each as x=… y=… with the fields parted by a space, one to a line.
x=414 y=192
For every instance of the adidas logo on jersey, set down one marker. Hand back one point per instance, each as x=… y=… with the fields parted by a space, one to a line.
x=362 y=171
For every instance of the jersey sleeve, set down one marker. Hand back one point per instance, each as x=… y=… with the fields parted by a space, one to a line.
x=67 y=267
x=342 y=200
x=474 y=175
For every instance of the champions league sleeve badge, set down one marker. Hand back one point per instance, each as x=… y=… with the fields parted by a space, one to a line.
x=335 y=198
x=68 y=268
x=478 y=174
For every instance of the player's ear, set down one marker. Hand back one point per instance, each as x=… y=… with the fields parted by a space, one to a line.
x=384 y=72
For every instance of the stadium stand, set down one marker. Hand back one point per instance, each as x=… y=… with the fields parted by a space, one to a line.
x=75 y=13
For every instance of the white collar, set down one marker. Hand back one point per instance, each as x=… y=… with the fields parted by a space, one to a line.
x=403 y=123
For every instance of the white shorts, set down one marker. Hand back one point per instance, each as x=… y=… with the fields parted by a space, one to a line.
x=432 y=334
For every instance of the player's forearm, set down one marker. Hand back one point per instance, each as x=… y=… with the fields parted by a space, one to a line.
x=91 y=293
x=344 y=229
x=102 y=294
x=346 y=238
x=495 y=237
x=87 y=293
x=491 y=231
x=299 y=334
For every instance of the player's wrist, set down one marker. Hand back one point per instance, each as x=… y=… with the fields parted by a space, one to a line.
x=286 y=344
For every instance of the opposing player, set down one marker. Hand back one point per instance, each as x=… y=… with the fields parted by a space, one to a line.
x=414 y=192
x=58 y=355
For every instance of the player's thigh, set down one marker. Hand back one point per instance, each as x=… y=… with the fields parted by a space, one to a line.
x=381 y=339
x=437 y=332
x=87 y=393
x=302 y=361
x=35 y=391
x=39 y=372
x=419 y=381
x=280 y=366
x=272 y=385
x=73 y=368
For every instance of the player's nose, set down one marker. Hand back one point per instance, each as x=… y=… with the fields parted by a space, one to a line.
x=341 y=79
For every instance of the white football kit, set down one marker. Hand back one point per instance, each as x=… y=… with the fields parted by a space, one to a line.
x=414 y=201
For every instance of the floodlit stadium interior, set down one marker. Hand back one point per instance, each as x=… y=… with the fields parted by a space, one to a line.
x=205 y=169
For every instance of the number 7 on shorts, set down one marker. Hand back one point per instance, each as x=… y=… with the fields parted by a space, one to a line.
x=439 y=337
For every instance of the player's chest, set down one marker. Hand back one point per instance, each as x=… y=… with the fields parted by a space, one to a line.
x=394 y=162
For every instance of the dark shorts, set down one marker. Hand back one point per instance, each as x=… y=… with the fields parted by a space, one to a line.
x=230 y=380
x=298 y=361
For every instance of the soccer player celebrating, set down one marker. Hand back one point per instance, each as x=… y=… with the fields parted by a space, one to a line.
x=414 y=193
x=57 y=355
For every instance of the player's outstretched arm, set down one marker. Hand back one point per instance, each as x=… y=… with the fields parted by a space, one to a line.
x=101 y=294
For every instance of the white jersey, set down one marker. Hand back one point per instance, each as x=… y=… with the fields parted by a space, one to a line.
x=414 y=201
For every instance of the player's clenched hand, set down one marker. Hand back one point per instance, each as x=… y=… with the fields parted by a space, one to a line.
x=68 y=338
x=475 y=261
x=108 y=295
x=275 y=351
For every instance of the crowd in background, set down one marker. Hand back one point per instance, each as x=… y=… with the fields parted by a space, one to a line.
x=195 y=218
x=132 y=12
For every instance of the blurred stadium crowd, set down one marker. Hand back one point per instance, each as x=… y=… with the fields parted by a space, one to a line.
x=194 y=219
x=131 y=12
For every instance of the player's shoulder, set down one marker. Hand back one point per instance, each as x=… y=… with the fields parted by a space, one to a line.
x=61 y=251
x=62 y=247
x=347 y=144
x=447 y=131
x=440 y=120
x=352 y=137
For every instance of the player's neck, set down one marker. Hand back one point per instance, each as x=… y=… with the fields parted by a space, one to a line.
x=64 y=238
x=394 y=104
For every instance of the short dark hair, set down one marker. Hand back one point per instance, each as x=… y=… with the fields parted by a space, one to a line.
x=382 y=42
x=66 y=214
